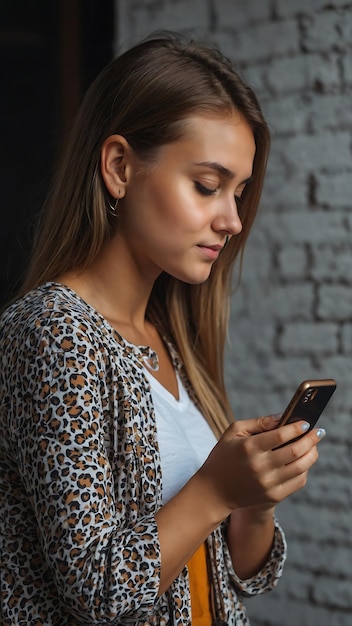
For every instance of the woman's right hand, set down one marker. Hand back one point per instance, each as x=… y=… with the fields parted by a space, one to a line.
x=244 y=469
x=242 y=473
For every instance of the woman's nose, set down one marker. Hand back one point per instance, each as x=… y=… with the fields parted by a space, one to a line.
x=228 y=219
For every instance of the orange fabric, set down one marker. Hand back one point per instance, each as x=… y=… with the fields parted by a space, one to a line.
x=200 y=588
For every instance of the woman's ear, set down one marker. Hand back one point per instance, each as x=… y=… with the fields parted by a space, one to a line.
x=115 y=164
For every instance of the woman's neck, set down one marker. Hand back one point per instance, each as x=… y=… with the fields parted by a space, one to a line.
x=116 y=287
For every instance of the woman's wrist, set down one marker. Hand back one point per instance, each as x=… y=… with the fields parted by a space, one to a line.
x=209 y=497
x=254 y=515
x=250 y=535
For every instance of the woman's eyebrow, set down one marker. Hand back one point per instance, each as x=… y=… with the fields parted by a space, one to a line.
x=222 y=170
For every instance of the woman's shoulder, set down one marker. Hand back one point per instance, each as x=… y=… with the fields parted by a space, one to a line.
x=55 y=312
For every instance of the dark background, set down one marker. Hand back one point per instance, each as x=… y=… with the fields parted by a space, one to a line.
x=50 y=51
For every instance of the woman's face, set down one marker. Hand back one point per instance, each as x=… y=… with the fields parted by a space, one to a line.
x=177 y=213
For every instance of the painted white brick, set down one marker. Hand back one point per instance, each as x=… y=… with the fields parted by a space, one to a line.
x=304 y=7
x=335 y=302
x=262 y=41
x=332 y=263
x=330 y=112
x=293 y=261
x=287 y=115
x=335 y=190
x=321 y=485
x=276 y=609
x=321 y=522
x=328 y=150
x=338 y=595
x=327 y=559
x=347 y=67
x=327 y=31
x=241 y=13
x=305 y=227
x=282 y=193
x=309 y=338
x=137 y=19
x=302 y=71
x=346 y=338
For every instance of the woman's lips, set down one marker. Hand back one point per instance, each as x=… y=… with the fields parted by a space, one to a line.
x=212 y=252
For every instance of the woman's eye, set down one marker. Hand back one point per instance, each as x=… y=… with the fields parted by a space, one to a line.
x=205 y=191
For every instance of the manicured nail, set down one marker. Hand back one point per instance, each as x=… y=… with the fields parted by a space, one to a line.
x=305 y=426
x=276 y=417
x=321 y=432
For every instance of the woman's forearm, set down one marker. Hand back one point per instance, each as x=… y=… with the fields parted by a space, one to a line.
x=184 y=523
x=250 y=536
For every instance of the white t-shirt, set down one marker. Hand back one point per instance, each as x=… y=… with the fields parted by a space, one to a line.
x=185 y=438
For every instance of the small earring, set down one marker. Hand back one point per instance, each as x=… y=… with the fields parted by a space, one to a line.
x=113 y=207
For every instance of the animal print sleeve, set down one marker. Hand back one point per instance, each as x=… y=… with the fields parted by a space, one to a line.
x=269 y=575
x=104 y=565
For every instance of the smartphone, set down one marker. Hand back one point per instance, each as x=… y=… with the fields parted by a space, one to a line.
x=308 y=403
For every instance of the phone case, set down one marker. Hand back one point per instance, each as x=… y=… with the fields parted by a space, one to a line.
x=309 y=401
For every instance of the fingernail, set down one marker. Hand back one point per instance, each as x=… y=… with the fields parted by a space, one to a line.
x=276 y=417
x=321 y=432
x=305 y=426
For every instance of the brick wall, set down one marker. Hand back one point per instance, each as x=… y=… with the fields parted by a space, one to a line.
x=292 y=315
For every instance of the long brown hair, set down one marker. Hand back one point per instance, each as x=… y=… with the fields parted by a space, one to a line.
x=144 y=95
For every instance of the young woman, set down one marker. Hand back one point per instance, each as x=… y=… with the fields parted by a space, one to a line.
x=129 y=495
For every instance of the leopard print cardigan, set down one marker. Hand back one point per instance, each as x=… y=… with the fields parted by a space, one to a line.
x=81 y=479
